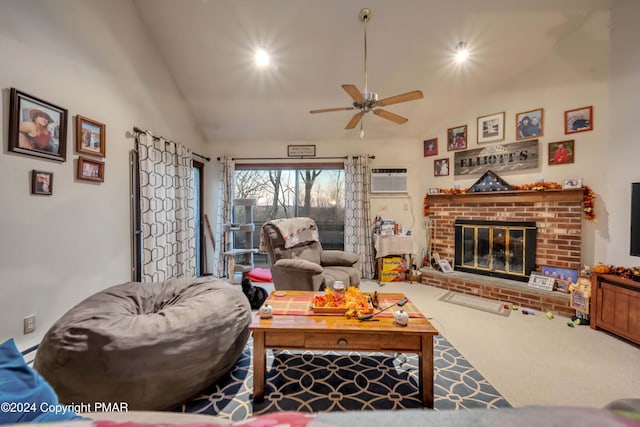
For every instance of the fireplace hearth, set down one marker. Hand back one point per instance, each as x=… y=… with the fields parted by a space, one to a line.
x=504 y=249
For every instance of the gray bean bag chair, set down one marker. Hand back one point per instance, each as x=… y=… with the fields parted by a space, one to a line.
x=152 y=345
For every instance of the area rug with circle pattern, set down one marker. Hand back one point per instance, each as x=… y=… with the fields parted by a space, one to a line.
x=307 y=381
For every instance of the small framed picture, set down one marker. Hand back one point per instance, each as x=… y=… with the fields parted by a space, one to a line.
x=434 y=191
x=578 y=120
x=562 y=286
x=457 y=138
x=540 y=281
x=572 y=183
x=90 y=170
x=441 y=167
x=530 y=124
x=90 y=137
x=491 y=128
x=560 y=273
x=36 y=127
x=561 y=152
x=579 y=300
x=41 y=182
x=445 y=266
x=431 y=147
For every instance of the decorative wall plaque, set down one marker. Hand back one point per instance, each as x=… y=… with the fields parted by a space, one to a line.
x=498 y=158
x=301 y=150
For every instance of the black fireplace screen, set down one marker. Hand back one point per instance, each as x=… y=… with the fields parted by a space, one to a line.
x=495 y=248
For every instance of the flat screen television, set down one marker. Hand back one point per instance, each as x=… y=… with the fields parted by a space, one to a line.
x=635 y=219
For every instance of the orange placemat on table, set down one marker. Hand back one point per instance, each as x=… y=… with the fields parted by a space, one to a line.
x=302 y=306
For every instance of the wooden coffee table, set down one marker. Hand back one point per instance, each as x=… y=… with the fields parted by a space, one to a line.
x=322 y=332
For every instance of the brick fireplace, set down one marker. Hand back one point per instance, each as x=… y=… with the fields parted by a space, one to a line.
x=557 y=215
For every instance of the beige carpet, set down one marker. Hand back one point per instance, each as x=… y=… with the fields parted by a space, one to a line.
x=477 y=303
x=529 y=359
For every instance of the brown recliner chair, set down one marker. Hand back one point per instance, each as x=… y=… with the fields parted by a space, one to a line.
x=298 y=260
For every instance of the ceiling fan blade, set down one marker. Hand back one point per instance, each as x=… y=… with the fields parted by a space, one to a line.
x=409 y=96
x=328 y=110
x=353 y=92
x=354 y=120
x=390 y=116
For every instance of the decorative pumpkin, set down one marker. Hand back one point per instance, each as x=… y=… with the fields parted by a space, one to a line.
x=401 y=318
x=266 y=311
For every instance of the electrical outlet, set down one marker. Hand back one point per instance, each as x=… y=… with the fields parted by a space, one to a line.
x=30 y=324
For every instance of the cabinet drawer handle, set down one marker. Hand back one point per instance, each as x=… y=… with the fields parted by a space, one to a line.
x=342 y=342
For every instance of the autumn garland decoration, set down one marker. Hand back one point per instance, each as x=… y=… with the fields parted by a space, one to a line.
x=589 y=197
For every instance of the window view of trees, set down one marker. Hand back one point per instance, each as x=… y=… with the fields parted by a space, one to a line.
x=290 y=191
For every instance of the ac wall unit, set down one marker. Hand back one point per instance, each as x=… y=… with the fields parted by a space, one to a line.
x=389 y=180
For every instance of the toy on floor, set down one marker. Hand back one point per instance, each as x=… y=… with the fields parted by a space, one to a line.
x=549 y=315
x=528 y=311
x=579 y=319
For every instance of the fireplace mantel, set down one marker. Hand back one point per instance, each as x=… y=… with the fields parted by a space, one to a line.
x=527 y=196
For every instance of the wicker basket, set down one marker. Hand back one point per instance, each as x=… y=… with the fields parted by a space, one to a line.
x=413 y=277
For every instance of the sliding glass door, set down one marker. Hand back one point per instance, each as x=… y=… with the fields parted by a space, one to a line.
x=292 y=190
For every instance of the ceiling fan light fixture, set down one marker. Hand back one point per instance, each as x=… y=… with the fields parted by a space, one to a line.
x=367 y=101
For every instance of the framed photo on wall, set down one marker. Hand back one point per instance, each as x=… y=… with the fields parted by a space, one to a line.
x=441 y=167
x=457 y=138
x=530 y=124
x=41 y=182
x=90 y=170
x=90 y=137
x=431 y=147
x=36 y=127
x=578 y=120
x=491 y=128
x=561 y=152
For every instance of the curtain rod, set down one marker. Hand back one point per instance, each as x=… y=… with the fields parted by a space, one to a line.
x=156 y=138
x=295 y=158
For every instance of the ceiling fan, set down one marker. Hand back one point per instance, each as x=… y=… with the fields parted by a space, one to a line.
x=368 y=101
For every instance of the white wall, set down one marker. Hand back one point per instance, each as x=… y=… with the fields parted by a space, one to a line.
x=575 y=74
x=93 y=58
x=622 y=142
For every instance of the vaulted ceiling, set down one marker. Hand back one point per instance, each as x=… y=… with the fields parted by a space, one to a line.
x=317 y=45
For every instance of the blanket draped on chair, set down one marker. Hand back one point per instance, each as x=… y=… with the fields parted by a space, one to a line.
x=294 y=231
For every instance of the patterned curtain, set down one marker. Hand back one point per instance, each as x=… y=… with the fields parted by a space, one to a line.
x=357 y=222
x=166 y=208
x=225 y=204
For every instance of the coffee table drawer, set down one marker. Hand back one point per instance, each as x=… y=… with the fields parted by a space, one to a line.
x=371 y=342
x=285 y=340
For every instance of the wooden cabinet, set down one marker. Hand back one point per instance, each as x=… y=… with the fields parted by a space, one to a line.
x=616 y=306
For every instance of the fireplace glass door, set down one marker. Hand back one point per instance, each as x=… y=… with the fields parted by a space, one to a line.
x=494 y=249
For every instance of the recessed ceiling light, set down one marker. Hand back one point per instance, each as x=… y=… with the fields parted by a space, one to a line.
x=462 y=52
x=262 y=58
